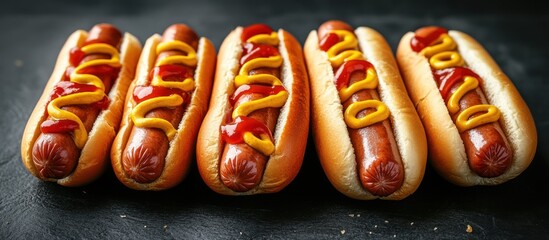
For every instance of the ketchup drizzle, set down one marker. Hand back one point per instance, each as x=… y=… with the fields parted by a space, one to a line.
x=255 y=29
x=234 y=132
x=448 y=77
x=328 y=41
x=254 y=50
x=426 y=36
x=261 y=89
x=343 y=74
x=66 y=87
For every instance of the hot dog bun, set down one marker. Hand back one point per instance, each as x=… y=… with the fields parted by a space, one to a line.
x=291 y=132
x=446 y=148
x=93 y=156
x=333 y=144
x=181 y=151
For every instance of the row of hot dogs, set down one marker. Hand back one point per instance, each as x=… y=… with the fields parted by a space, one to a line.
x=243 y=113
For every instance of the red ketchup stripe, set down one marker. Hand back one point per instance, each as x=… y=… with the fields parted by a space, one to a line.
x=448 y=77
x=328 y=41
x=142 y=93
x=343 y=74
x=424 y=37
x=255 y=29
x=58 y=126
x=233 y=132
x=261 y=89
x=171 y=72
x=64 y=88
x=254 y=50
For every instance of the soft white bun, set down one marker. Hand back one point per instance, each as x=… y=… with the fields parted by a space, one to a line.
x=290 y=135
x=332 y=140
x=446 y=149
x=181 y=151
x=94 y=155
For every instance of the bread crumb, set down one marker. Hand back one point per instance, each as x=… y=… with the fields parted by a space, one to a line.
x=435 y=228
x=412 y=223
x=343 y=231
x=469 y=229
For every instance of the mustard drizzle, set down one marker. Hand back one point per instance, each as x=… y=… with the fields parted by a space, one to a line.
x=341 y=52
x=140 y=110
x=262 y=143
x=54 y=110
x=443 y=54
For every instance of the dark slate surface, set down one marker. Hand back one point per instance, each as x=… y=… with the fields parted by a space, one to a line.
x=33 y=32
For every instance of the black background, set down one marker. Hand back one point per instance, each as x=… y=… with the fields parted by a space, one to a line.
x=515 y=33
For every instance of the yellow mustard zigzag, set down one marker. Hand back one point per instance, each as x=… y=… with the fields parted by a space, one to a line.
x=262 y=144
x=54 y=108
x=174 y=100
x=443 y=54
x=341 y=52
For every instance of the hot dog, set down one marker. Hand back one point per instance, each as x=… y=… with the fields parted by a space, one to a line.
x=479 y=129
x=69 y=133
x=369 y=138
x=164 y=109
x=254 y=135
